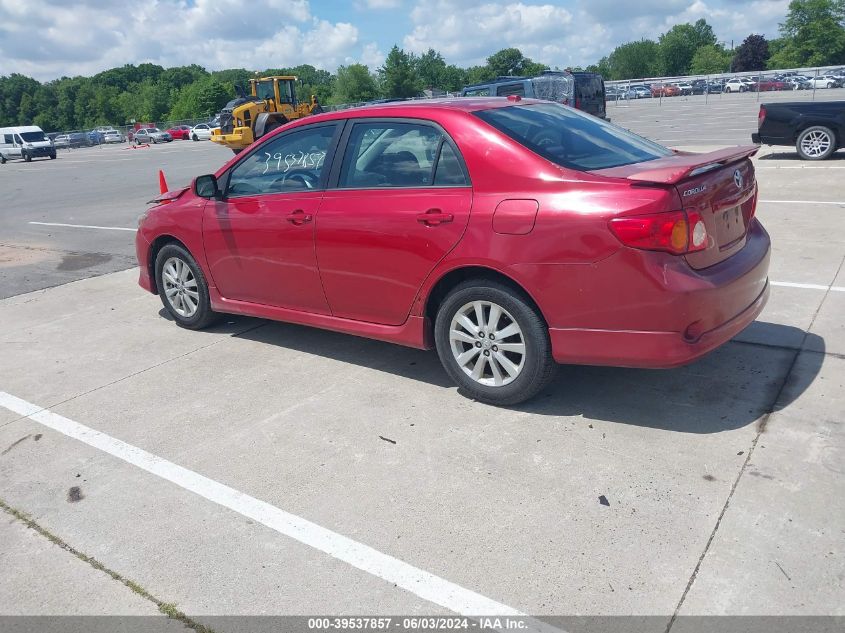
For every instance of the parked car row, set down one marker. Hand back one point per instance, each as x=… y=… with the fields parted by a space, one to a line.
x=752 y=83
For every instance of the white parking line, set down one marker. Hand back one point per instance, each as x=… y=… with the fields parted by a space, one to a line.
x=86 y=226
x=801 y=202
x=789 y=284
x=418 y=582
x=758 y=165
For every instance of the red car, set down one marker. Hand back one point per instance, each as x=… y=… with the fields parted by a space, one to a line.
x=182 y=132
x=510 y=234
x=665 y=90
x=769 y=85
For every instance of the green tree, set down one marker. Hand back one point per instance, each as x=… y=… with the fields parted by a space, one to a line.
x=602 y=68
x=678 y=46
x=354 y=84
x=398 y=75
x=710 y=59
x=479 y=74
x=812 y=35
x=431 y=69
x=511 y=61
x=200 y=99
x=634 y=60
x=752 y=54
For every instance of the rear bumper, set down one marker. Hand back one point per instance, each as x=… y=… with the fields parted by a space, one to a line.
x=658 y=350
x=701 y=309
x=755 y=138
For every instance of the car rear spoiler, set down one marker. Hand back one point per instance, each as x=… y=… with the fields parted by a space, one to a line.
x=680 y=166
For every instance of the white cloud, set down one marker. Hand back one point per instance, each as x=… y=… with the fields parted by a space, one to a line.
x=51 y=38
x=382 y=4
x=95 y=35
x=578 y=32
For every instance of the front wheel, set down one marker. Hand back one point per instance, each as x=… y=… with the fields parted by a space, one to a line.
x=26 y=157
x=816 y=143
x=53 y=156
x=195 y=137
x=493 y=343
x=182 y=288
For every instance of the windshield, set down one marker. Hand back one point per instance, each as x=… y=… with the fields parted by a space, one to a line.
x=264 y=90
x=33 y=137
x=571 y=139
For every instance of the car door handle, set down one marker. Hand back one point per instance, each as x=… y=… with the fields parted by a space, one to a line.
x=298 y=217
x=433 y=217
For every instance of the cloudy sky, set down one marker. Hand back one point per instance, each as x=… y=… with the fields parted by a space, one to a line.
x=47 y=39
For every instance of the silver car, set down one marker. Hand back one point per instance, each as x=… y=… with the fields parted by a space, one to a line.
x=151 y=135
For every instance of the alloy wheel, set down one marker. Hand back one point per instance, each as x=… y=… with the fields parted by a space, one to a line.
x=180 y=287
x=487 y=343
x=815 y=143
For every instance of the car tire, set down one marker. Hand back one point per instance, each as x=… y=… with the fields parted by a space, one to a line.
x=2 y=160
x=195 y=138
x=182 y=288
x=27 y=158
x=829 y=85
x=816 y=143
x=53 y=156
x=521 y=374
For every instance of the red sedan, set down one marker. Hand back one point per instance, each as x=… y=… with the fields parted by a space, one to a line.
x=665 y=90
x=508 y=234
x=182 y=132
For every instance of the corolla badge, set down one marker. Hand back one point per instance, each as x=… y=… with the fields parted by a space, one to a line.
x=738 y=179
x=692 y=192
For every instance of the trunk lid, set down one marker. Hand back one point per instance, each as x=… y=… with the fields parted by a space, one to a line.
x=720 y=186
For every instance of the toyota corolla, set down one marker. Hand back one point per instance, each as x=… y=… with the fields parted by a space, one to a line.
x=509 y=234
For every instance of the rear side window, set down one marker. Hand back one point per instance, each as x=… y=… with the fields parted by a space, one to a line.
x=477 y=92
x=511 y=89
x=571 y=139
x=388 y=154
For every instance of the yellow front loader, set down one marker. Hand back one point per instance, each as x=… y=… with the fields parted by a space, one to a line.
x=272 y=103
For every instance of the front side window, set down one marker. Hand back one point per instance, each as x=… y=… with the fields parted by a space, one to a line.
x=398 y=155
x=264 y=90
x=287 y=163
x=570 y=138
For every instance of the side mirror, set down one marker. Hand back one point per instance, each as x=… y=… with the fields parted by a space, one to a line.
x=206 y=187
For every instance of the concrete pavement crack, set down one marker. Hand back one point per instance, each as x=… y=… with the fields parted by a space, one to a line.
x=761 y=428
x=166 y=608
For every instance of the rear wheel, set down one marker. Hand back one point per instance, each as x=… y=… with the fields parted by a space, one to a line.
x=182 y=288
x=53 y=156
x=816 y=143
x=493 y=343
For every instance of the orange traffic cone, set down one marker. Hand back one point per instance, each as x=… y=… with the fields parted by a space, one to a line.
x=162 y=183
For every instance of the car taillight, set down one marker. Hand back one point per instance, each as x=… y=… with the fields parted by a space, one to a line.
x=675 y=232
x=577 y=103
x=761 y=116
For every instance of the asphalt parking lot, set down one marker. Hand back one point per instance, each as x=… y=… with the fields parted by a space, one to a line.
x=261 y=468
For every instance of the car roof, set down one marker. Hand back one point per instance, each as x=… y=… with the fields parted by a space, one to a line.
x=423 y=107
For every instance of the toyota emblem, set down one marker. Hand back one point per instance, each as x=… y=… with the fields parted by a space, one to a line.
x=738 y=179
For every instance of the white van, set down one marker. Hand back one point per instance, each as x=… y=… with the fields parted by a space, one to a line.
x=26 y=142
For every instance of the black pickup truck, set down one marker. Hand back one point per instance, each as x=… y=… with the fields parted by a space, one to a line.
x=815 y=128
